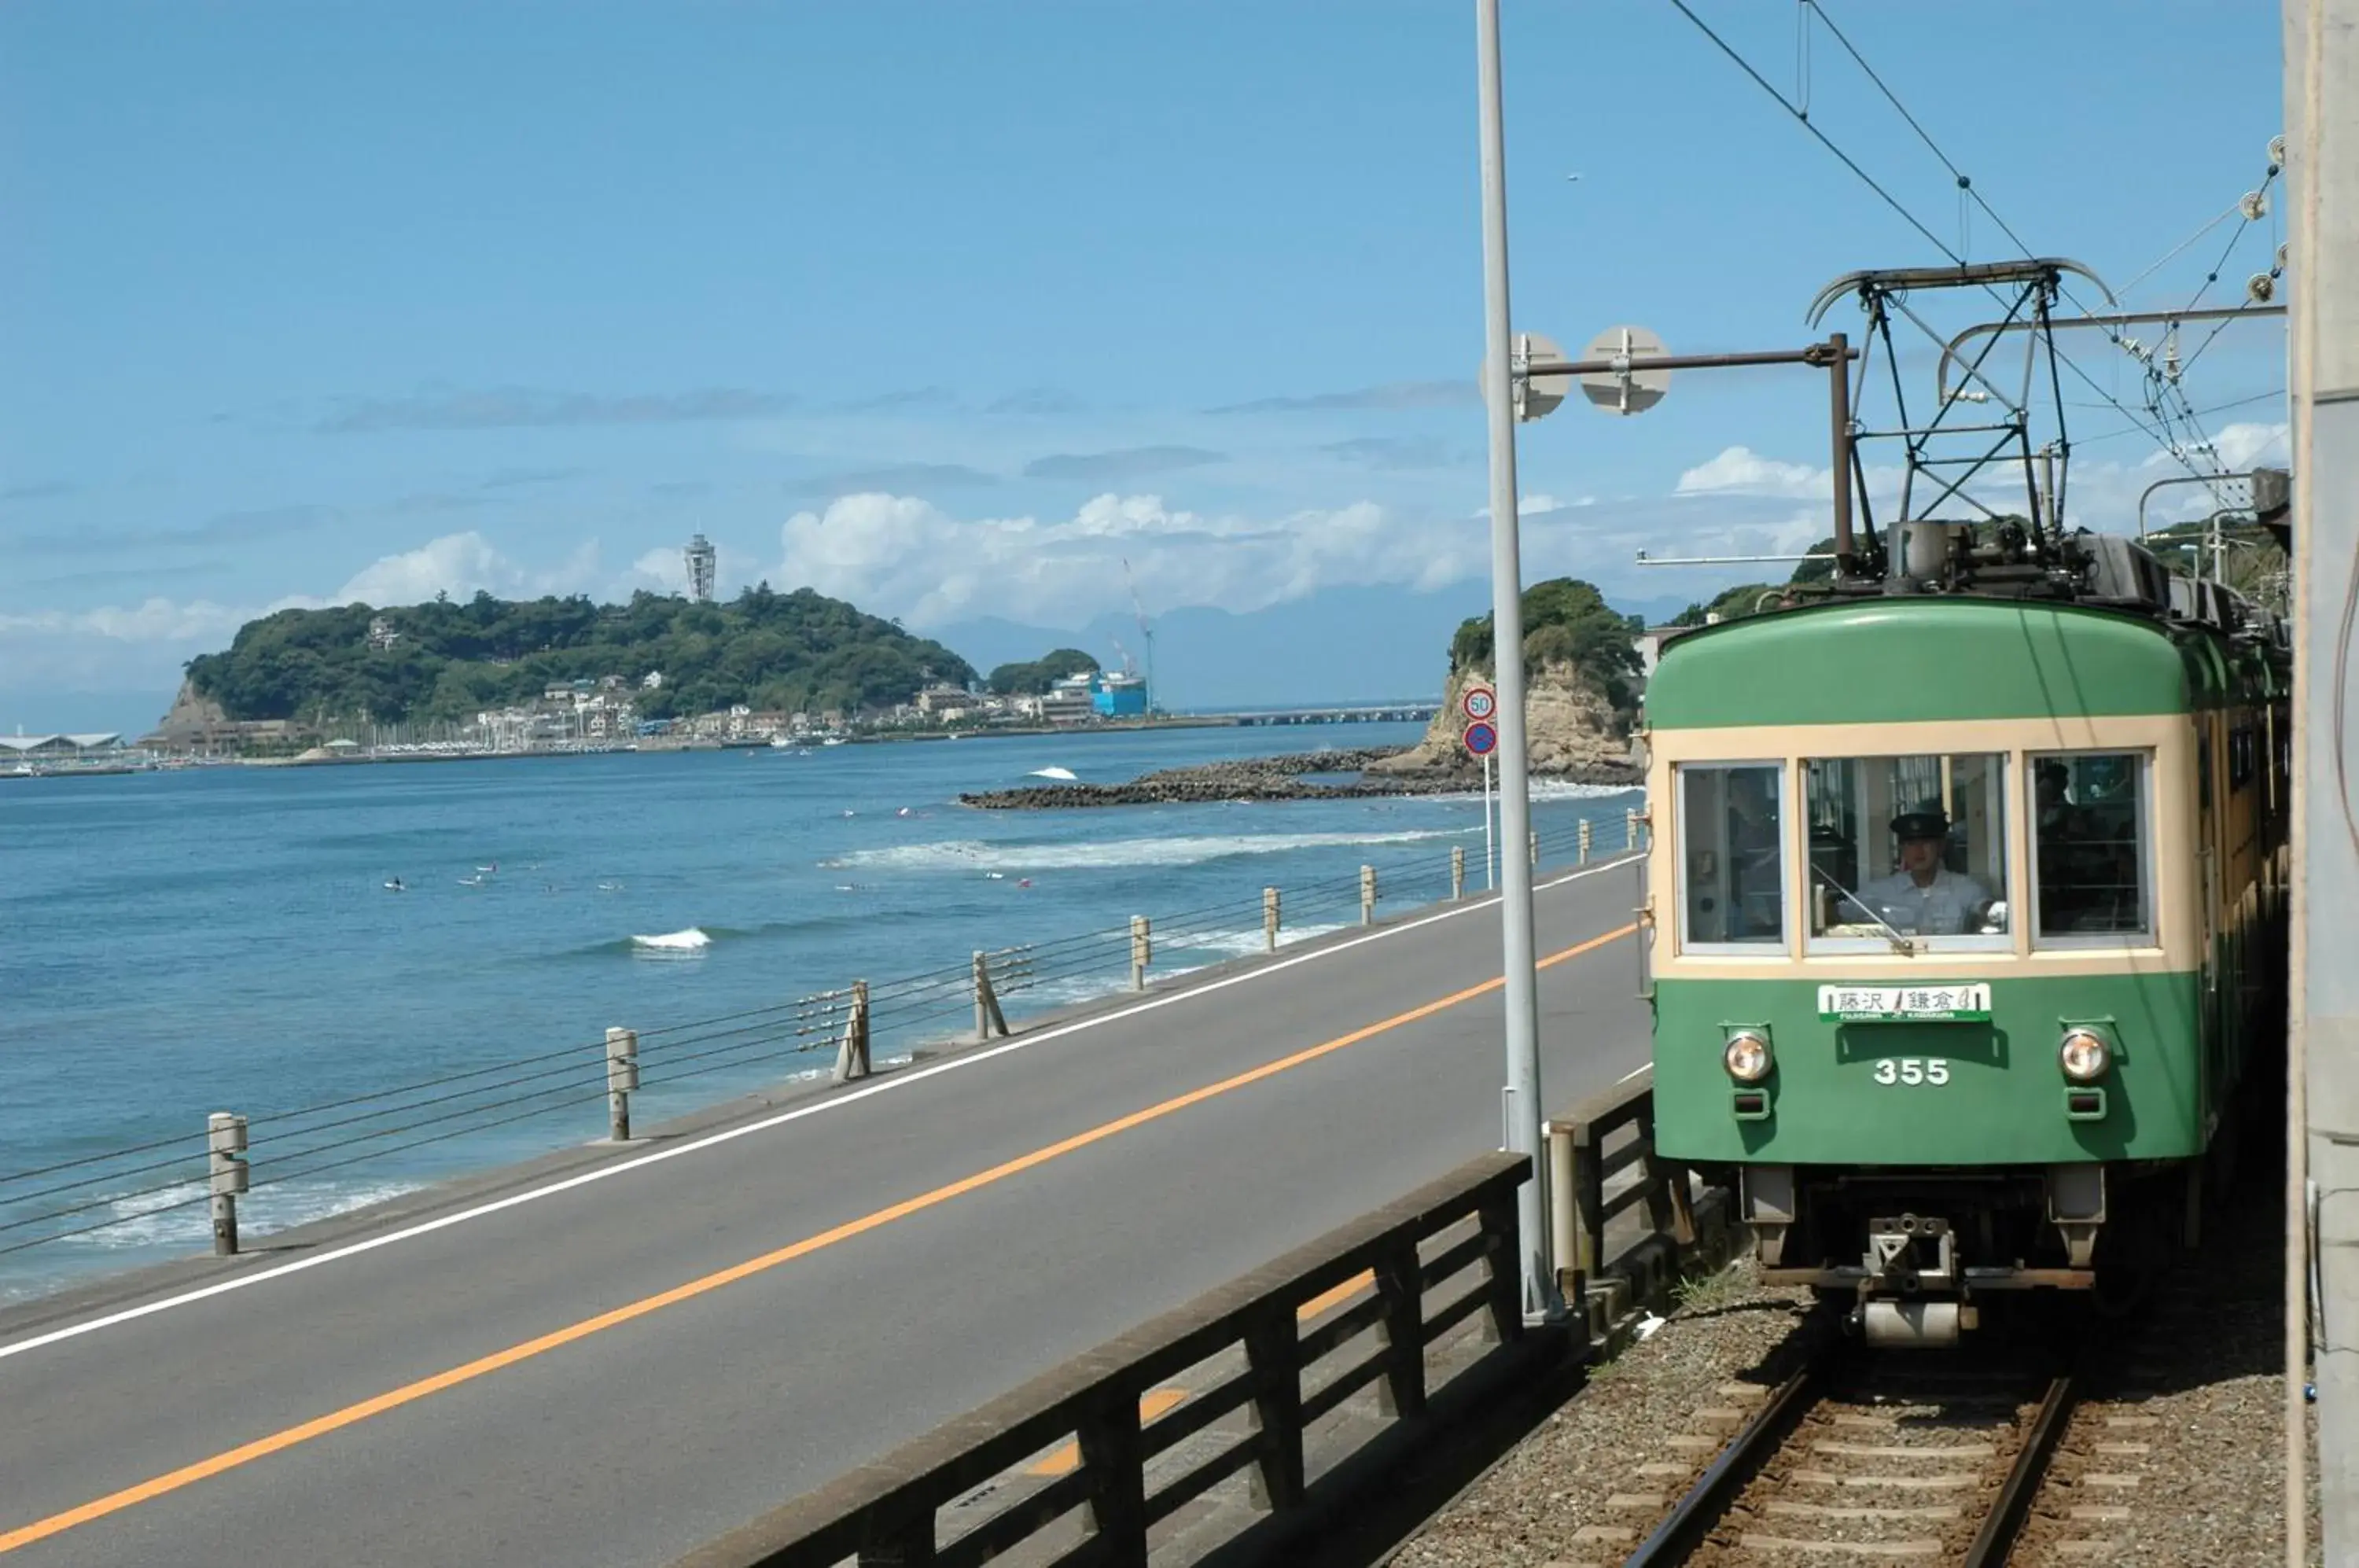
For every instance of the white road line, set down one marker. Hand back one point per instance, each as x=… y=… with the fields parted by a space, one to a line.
x=836 y=1102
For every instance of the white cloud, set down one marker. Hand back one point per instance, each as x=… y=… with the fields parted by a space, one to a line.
x=1534 y=505
x=900 y=555
x=905 y=556
x=896 y=555
x=461 y=565
x=456 y=564
x=141 y=646
x=2247 y=446
x=661 y=570
x=1742 y=470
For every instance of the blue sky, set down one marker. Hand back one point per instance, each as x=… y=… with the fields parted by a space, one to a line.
x=953 y=309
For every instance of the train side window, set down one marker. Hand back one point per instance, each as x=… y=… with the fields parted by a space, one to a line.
x=1732 y=857
x=2090 y=847
x=1911 y=847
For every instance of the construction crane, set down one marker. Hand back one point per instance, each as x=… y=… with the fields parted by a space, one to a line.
x=1145 y=632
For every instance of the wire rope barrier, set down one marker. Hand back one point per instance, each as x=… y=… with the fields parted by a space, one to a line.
x=271 y=1154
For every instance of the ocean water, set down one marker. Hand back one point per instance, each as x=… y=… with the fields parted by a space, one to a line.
x=177 y=943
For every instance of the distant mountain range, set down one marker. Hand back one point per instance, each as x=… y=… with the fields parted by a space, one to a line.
x=1339 y=645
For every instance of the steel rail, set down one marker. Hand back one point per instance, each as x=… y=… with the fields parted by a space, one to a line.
x=1704 y=1503
x=1997 y=1538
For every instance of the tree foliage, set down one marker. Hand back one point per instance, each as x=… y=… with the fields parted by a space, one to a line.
x=2250 y=560
x=1733 y=604
x=1032 y=678
x=1565 y=621
x=799 y=652
x=1819 y=565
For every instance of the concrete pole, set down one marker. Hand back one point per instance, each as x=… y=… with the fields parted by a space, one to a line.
x=1142 y=951
x=851 y=1055
x=226 y=1174
x=1585 y=840
x=1457 y=872
x=1367 y=895
x=2322 y=46
x=1269 y=920
x=987 y=1013
x=1490 y=855
x=622 y=1077
x=1520 y=970
x=979 y=975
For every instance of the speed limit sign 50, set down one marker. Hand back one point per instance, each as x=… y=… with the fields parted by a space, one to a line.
x=1478 y=703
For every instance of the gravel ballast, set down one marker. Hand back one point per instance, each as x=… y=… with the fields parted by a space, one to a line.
x=1605 y=1466
x=2174 y=1457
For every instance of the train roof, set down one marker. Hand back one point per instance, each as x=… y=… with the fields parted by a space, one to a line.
x=1861 y=659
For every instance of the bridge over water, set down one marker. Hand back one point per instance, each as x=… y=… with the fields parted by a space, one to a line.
x=1396 y=712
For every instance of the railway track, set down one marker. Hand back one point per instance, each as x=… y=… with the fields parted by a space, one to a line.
x=1868 y=1457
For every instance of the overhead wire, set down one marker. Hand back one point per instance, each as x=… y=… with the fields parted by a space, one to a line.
x=2211 y=408
x=1802 y=118
x=2057 y=353
x=2162 y=261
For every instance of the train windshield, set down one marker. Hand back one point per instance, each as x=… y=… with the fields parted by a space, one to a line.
x=1732 y=868
x=2089 y=848
x=1908 y=846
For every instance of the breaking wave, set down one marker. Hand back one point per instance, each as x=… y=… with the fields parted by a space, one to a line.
x=689 y=941
x=178 y=1217
x=974 y=855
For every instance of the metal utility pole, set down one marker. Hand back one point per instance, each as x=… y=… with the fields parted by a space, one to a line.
x=1522 y=1108
x=2322 y=48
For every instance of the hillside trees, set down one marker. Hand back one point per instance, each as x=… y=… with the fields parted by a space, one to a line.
x=450 y=661
x=1565 y=621
x=1032 y=678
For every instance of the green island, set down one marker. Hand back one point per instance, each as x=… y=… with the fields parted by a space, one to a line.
x=446 y=662
x=490 y=677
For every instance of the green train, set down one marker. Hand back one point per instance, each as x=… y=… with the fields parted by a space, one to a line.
x=1966 y=900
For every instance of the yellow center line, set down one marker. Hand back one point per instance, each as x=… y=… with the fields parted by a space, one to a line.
x=409 y=1393
x=1063 y=1460
x=1326 y=1299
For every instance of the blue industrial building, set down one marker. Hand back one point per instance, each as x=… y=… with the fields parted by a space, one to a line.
x=1119 y=697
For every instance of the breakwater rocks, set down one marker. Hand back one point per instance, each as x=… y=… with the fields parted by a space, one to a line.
x=1336 y=775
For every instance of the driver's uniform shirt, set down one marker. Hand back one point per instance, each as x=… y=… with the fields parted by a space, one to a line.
x=1941 y=907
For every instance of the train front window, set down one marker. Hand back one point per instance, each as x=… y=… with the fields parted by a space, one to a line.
x=1908 y=846
x=1732 y=857
x=2089 y=848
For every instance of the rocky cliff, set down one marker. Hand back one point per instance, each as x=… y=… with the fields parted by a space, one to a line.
x=1574 y=733
x=191 y=715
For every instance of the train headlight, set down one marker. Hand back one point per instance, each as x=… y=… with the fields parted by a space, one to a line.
x=2084 y=1055
x=1747 y=1056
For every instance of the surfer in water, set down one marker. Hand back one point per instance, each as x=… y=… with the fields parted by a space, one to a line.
x=394 y=886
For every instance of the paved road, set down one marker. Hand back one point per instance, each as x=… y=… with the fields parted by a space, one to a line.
x=613 y=1372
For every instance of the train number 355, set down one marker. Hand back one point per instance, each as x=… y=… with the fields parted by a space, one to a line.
x=1912 y=1069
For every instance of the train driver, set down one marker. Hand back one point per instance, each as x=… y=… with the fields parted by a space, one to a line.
x=1925 y=898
